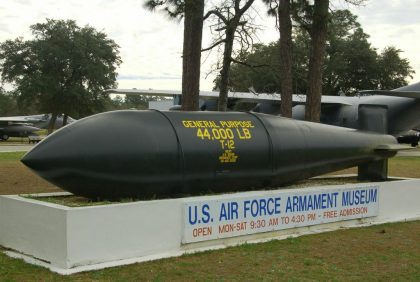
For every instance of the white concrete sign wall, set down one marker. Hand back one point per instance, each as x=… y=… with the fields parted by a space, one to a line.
x=214 y=219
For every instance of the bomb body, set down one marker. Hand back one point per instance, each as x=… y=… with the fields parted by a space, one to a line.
x=142 y=153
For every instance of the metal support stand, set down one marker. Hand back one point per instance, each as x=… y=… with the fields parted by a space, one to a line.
x=373 y=171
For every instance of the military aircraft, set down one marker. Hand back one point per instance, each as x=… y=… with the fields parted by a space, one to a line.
x=394 y=112
x=43 y=120
x=12 y=128
x=412 y=137
x=25 y=126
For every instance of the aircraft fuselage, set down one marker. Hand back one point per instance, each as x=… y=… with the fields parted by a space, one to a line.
x=402 y=114
x=16 y=130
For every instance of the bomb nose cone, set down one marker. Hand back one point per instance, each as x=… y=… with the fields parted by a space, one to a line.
x=37 y=157
x=30 y=158
x=107 y=153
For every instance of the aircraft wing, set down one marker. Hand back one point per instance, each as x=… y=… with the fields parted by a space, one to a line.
x=19 y=119
x=150 y=92
x=203 y=94
x=240 y=96
x=406 y=94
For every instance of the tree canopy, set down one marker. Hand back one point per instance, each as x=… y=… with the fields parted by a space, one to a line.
x=8 y=105
x=350 y=62
x=64 y=69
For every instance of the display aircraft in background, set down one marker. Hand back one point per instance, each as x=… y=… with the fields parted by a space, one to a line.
x=25 y=126
x=394 y=112
x=16 y=127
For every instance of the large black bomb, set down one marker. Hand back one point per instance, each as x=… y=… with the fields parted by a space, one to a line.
x=143 y=153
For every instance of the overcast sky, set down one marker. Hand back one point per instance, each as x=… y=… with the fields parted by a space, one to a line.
x=151 y=45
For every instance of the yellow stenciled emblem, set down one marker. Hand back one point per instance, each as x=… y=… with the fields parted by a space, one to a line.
x=228 y=157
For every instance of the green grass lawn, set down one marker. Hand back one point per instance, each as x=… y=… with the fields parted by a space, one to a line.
x=389 y=252
x=11 y=156
x=15 y=141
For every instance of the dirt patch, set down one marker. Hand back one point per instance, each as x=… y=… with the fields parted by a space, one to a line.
x=15 y=178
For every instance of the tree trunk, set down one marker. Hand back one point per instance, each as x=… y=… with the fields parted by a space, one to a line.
x=51 y=125
x=65 y=118
x=316 y=59
x=225 y=71
x=193 y=29
x=285 y=27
